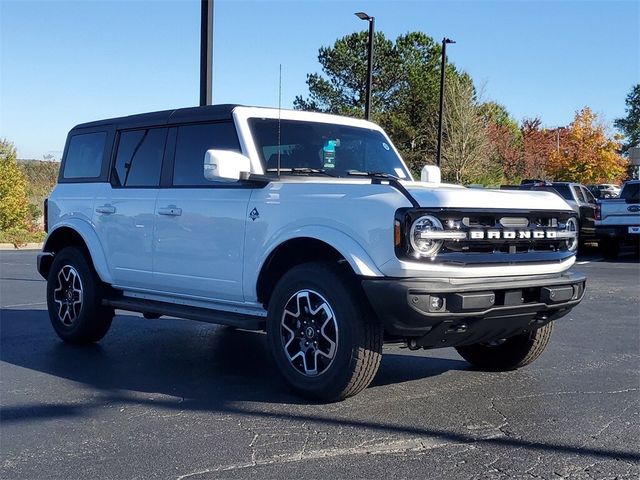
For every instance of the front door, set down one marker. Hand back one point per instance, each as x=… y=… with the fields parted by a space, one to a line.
x=200 y=225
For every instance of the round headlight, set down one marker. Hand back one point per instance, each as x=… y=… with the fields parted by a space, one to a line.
x=419 y=236
x=572 y=226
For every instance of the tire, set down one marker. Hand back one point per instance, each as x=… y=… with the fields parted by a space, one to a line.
x=74 y=298
x=610 y=248
x=328 y=298
x=511 y=353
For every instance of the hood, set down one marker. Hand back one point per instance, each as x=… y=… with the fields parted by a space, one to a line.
x=442 y=195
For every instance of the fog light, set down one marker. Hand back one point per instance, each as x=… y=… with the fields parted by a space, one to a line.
x=436 y=303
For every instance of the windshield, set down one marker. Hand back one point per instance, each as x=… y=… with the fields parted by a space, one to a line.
x=312 y=147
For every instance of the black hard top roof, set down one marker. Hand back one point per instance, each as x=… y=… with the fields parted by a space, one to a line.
x=180 y=115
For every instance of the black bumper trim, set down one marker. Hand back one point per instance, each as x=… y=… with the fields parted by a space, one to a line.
x=456 y=312
x=43 y=263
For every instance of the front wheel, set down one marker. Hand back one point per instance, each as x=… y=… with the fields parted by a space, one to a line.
x=510 y=353
x=325 y=339
x=74 y=298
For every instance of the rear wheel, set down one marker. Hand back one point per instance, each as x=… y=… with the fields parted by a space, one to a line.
x=325 y=339
x=74 y=298
x=510 y=353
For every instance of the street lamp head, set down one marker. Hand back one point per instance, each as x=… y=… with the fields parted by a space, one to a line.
x=363 y=16
x=448 y=40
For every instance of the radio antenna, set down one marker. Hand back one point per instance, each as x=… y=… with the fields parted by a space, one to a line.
x=279 y=110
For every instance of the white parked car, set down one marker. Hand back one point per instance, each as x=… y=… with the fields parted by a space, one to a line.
x=308 y=226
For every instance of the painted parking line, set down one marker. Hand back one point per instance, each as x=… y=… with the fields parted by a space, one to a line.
x=23 y=305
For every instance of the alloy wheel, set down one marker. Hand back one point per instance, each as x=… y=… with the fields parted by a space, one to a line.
x=68 y=295
x=309 y=332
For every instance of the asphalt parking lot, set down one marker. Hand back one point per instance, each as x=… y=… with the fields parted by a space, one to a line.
x=178 y=399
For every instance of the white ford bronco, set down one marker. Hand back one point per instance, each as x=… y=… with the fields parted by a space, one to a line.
x=305 y=225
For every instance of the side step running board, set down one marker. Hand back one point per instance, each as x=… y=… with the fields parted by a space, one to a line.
x=220 y=317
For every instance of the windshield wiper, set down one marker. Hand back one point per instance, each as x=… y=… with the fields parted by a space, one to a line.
x=379 y=177
x=303 y=171
x=385 y=175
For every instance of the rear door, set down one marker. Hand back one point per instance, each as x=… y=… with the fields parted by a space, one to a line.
x=125 y=208
x=200 y=224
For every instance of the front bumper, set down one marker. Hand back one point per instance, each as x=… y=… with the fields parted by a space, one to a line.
x=444 y=313
x=43 y=263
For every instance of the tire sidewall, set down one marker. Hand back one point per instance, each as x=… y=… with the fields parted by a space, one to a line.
x=336 y=292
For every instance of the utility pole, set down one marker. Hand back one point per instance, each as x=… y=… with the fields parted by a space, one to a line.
x=443 y=66
x=372 y=22
x=558 y=138
x=206 y=52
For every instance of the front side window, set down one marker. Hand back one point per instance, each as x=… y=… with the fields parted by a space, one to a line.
x=84 y=155
x=337 y=150
x=192 y=142
x=139 y=158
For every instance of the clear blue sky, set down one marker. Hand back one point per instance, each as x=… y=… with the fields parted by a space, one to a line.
x=63 y=63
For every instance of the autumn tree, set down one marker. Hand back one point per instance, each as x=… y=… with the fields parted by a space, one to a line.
x=465 y=149
x=587 y=153
x=537 y=146
x=630 y=125
x=14 y=203
x=505 y=141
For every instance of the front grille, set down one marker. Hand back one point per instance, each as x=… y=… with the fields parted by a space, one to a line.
x=486 y=229
x=499 y=221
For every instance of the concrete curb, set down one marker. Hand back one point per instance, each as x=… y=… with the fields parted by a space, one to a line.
x=26 y=246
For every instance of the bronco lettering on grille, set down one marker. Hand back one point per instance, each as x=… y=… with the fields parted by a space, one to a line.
x=495 y=234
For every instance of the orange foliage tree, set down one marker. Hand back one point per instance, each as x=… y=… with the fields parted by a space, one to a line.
x=537 y=145
x=587 y=154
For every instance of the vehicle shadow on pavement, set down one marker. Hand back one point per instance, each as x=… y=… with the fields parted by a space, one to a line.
x=628 y=254
x=213 y=365
x=397 y=368
x=176 y=366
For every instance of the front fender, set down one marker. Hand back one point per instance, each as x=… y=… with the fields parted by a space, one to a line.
x=90 y=238
x=350 y=249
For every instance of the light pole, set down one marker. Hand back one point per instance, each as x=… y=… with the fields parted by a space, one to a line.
x=206 y=52
x=372 y=22
x=443 y=65
x=558 y=137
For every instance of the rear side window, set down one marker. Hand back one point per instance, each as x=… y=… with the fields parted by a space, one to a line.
x=84 y=155
x=139 y=158
x=192 y=142
x=578 y=193
x=588 y=196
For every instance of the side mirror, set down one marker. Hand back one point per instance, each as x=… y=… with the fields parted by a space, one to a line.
x=430 y=174
x=225 y=165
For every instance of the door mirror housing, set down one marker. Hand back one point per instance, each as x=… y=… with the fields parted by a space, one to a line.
x=225 y=165
x=430 y=174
